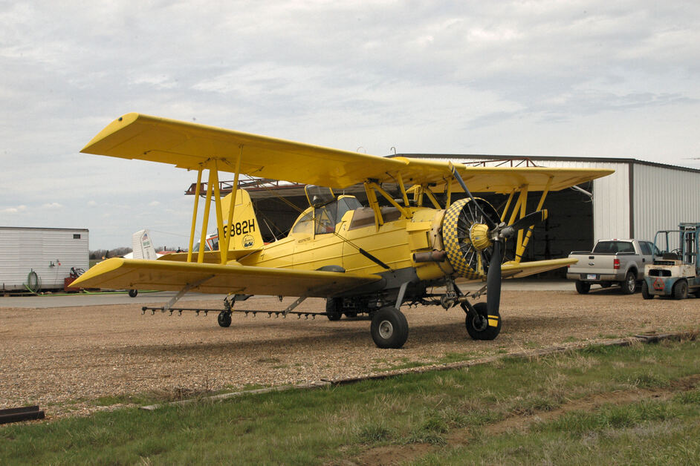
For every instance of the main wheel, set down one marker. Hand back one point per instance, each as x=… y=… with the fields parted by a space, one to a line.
x=582 y=287
x=645 y=291
x=478 y=324
x=334 y=308
x=680 y=290
x=133 y=293
x=224 y=319
x=630 y=283
x=389 y=328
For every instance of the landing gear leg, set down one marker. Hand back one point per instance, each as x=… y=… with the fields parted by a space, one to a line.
x=224 y=318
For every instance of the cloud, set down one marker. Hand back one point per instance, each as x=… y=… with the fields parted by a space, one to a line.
x=14 y=210
x=533 y=78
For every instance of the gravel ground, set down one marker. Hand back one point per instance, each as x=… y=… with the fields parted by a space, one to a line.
x=64 y=359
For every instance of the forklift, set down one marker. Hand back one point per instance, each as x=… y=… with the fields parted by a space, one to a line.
x=675 y=271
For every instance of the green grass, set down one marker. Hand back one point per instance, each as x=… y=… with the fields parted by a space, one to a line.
x=331 y=425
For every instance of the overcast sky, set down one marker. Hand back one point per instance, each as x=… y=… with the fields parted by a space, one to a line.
x=575 y=78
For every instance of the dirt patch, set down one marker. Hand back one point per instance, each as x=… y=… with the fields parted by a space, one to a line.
x=395 y=454
x=66 y=358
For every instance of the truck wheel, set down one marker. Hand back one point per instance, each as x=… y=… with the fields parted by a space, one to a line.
x=582 y=287
x=630 y=283
x=680 y=290
x=645 y=291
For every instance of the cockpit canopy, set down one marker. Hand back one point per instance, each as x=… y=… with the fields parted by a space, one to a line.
x=318 y=195
x=323 y=219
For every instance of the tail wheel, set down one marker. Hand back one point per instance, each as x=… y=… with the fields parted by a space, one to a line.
x=224 y=319
x=465 y=235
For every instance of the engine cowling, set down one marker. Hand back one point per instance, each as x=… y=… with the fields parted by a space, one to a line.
x=466 y=239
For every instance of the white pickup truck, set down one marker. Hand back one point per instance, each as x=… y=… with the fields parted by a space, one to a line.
x=612 y=261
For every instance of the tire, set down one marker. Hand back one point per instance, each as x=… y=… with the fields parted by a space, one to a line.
x=389 y=328
x=581 y=287
x=334 y=309
x=133 y=293
x=680 y=290
x=477 y=324
x=645 y=291
x=630 y=283
x=224 y=319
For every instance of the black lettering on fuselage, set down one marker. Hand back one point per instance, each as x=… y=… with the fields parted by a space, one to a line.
x=241 y=228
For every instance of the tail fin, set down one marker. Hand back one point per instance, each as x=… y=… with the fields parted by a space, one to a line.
x=143 y=246
x=245 y=228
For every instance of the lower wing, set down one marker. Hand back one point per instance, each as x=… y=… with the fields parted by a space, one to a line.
x=119 y=273
x=525 y=269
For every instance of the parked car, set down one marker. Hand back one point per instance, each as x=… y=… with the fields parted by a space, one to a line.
x=612 y=262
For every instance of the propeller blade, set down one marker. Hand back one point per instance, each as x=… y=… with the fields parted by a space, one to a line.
x=493 y=280
x=461 y=182
x=525 y=222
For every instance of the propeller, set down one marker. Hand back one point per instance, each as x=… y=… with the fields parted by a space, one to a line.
x=497 y=234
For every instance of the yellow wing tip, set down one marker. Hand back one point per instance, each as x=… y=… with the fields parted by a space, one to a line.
x=96 y=270
x=114 y=126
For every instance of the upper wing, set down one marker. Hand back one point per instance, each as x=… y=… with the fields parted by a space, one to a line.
x=190 y=145
x=525 y=269
x=120 y=273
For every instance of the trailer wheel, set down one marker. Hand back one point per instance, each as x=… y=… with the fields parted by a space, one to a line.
x=680 y=290
x=630 y=283
x=582 y=287
x=645 y=291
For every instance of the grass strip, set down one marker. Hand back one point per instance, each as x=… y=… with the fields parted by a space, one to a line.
x=455 y=417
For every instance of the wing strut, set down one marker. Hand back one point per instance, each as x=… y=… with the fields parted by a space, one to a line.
x=228 y=234
x=194 y=213
x=184 y=290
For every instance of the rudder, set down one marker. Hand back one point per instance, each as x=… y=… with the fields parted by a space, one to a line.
x=245 y=228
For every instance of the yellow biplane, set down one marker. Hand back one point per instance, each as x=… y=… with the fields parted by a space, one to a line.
x=362 y=259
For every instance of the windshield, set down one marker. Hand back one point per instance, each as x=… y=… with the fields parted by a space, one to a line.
x=324 y=219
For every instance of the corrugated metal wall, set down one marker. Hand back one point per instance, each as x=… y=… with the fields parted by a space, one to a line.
x=663 y=198
x=611 y=200
x=41 y=250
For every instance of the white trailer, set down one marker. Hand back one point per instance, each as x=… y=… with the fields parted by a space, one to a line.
x=41 y=257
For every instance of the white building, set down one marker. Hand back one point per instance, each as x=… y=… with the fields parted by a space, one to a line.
x=41 y=257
